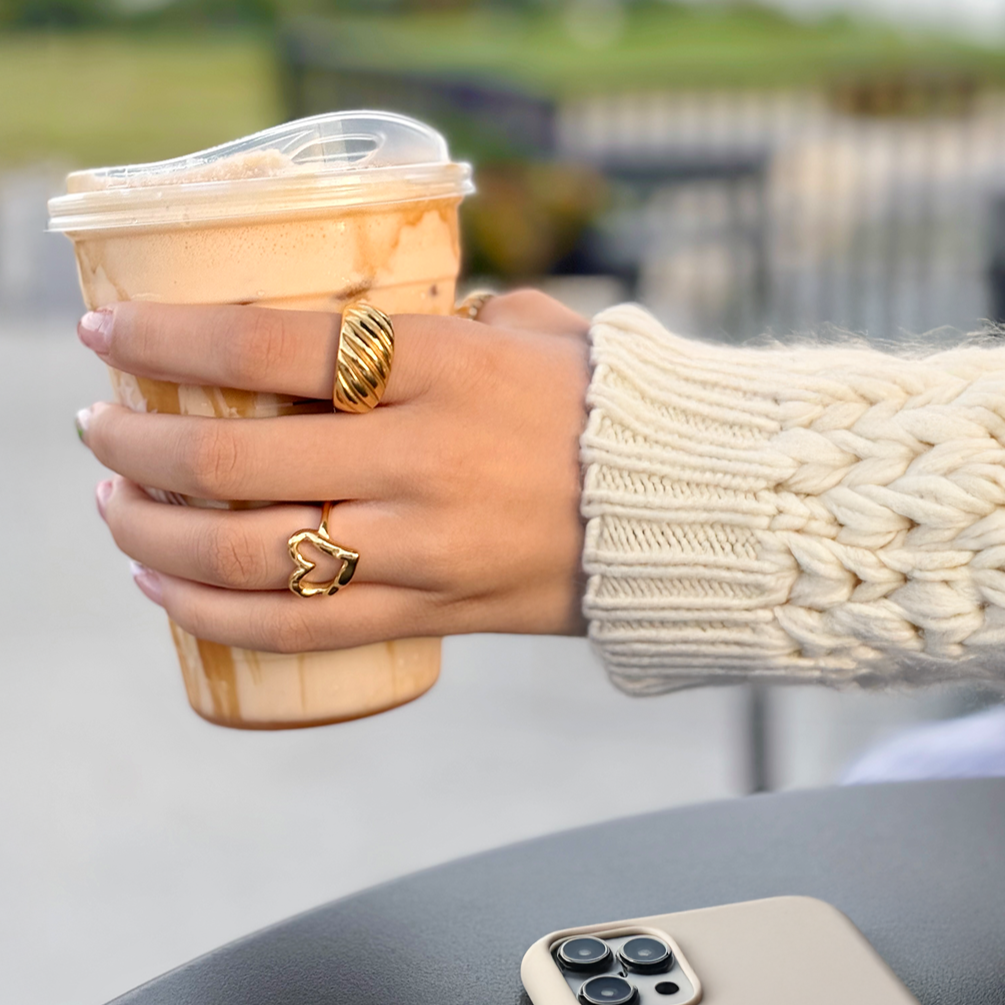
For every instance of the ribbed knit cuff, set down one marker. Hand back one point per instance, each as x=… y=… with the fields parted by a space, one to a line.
x=795 y=513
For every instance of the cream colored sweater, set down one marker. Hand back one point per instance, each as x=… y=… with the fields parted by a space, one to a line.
x=815 y=513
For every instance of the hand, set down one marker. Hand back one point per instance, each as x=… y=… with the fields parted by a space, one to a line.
x=460 y=491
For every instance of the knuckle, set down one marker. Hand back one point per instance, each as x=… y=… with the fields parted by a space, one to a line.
x=131 y=332
x=212 y=459
x=190 y=615
x=483 y=363
x=232 y=557
x=529 y=297
x=258 y=344
x=287 y=631
x=439 y=557
x=520 y=303
x=135 y=332
x=441 y=466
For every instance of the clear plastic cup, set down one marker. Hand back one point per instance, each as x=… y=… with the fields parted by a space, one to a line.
x=306 y=216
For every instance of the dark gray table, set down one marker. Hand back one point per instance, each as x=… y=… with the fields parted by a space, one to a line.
x=920 y=868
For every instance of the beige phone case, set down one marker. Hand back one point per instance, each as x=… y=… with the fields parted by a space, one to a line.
x=781 y=951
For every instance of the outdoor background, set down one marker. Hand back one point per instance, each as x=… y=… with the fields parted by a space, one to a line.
x=740 y=169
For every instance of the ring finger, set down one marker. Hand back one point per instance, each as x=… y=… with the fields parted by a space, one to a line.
x=247 y=549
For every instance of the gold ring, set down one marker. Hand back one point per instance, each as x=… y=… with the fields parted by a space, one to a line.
x=321 y=540
x=365 y=351
x=471 y=306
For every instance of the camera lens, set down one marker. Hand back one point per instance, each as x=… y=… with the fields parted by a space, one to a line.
x=607 y=990
x=584 y=953
x=646 y=955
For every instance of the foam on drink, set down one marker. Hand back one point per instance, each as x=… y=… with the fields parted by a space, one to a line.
x=306 y=216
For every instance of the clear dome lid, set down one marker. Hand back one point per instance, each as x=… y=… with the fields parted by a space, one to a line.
x=341 y=159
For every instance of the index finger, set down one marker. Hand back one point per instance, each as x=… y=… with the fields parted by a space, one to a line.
x=255 y=348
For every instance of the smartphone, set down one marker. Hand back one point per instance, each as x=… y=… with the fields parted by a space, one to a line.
x=780 y=951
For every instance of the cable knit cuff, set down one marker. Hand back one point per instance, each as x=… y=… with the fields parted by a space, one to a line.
x=811 y=513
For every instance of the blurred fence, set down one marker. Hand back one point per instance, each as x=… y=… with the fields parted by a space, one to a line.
x=886 y=224
x=873 y=205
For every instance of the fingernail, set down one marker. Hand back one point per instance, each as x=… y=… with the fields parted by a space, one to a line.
x=147 y=580
x=81 y=421
x=95 y=330
x=103 y=493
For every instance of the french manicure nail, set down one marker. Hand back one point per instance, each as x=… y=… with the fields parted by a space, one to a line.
x=81 y=420
x=95 y=330
x=147 y=580
x=103 y=493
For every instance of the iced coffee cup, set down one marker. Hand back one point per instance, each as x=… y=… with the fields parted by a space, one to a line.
x=306 y=216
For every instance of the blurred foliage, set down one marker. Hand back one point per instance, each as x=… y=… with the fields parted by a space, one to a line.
x=907 y=94
x=525 y=217
x=54 y=13
x=90 y=13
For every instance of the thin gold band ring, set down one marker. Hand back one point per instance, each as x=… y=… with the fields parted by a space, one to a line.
x=471 y=306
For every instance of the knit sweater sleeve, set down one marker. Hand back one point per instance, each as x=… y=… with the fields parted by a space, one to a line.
x=816 y=513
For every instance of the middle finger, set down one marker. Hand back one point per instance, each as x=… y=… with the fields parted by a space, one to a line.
x=288 y=459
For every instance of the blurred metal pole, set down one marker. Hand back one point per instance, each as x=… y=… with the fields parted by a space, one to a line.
x=757 y=738
x=292 y=63
x=996 y=265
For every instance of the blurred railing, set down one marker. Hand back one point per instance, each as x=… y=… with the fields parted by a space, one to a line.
x=873 y=205
x=883 y=224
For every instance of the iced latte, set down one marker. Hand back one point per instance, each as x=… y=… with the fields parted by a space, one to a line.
x=306 y=216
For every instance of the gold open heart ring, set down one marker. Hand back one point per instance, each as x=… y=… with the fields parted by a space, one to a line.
x=321 y=540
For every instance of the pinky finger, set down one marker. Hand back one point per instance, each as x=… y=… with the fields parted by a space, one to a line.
x=279 y=622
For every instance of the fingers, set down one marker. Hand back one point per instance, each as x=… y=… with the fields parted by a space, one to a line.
x=532 y=310
x=283 y=459
x=247 y=550
x=280 y=622
x=254 y=348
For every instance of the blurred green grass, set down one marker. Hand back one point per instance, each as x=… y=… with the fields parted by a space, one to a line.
x=658 y=45
x=89 y=99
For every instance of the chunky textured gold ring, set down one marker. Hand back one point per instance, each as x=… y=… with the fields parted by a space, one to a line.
x=471 y=306
x=321 y=540
x=365 y=351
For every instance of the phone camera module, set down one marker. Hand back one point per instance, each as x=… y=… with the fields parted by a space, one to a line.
x=646 y=955
x=584 y=953
x=608 y=990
